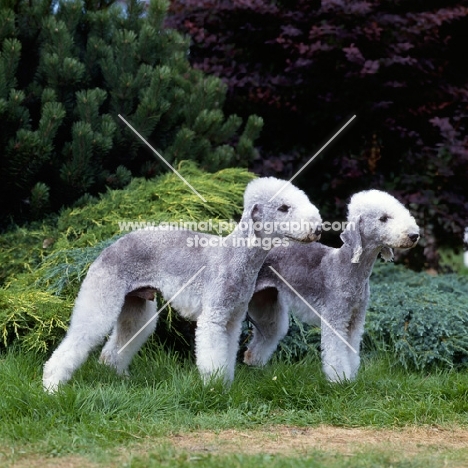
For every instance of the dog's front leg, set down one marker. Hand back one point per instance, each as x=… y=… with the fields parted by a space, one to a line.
x=234 y=329
x=212 y=345
x=335 y=351
x=355 y=332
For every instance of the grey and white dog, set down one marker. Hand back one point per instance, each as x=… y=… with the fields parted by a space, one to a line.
x=333 y=283
x=210 y=281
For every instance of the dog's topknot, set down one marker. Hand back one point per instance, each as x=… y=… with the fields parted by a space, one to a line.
x=263 y=189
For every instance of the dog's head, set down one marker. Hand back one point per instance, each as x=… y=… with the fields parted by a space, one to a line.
x=279 y=209
x=378 y=220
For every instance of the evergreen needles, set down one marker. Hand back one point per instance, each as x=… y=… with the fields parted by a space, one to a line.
x=68 y=69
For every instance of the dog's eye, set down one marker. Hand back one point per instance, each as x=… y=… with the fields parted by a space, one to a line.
x=284 y=208
x=384 y=218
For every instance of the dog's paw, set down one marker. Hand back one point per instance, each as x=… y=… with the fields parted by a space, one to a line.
x=49 y=384
x=248 y=358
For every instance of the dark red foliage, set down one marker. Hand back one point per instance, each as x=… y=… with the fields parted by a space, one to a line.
x=307 y=66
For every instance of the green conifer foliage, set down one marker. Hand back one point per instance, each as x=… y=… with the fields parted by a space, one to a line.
x=68 y=69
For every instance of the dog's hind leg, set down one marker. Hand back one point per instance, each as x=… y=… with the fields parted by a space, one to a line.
x=271 y=322
x=94 y=315
x=135 y=324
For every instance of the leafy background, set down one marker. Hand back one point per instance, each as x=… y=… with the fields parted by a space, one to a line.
x=307 y=66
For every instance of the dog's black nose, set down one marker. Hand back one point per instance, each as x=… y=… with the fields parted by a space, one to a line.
x=413 y=237
x=318 y=230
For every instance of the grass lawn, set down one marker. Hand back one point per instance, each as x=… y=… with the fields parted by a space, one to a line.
x=283 y=415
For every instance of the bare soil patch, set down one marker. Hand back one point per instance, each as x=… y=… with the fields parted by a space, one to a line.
x=298 y=441
x=39 y=461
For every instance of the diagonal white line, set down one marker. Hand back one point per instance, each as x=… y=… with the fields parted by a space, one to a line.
x=161 y=309
x=163 y=160
x=312 y=158
x=313 y=310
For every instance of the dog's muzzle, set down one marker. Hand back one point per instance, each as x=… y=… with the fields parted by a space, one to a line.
x=414 y=238
x=410 y=241
x=312 y=236
x=316 y=234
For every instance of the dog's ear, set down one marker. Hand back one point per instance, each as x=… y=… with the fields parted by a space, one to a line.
x=256 y=213
x=387 y=254
x=352 y=236
x=256 y=216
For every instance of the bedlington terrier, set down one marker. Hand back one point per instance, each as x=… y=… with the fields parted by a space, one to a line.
x=331 y=286
x=206 y=278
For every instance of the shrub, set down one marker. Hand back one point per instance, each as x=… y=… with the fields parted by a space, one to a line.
x=35 y=319
x=307 y=66
x=23 y=248
x=421 y=319
x=68 y=69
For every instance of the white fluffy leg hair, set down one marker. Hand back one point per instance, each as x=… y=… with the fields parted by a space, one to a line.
x=212 y=348
x=87 y=330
